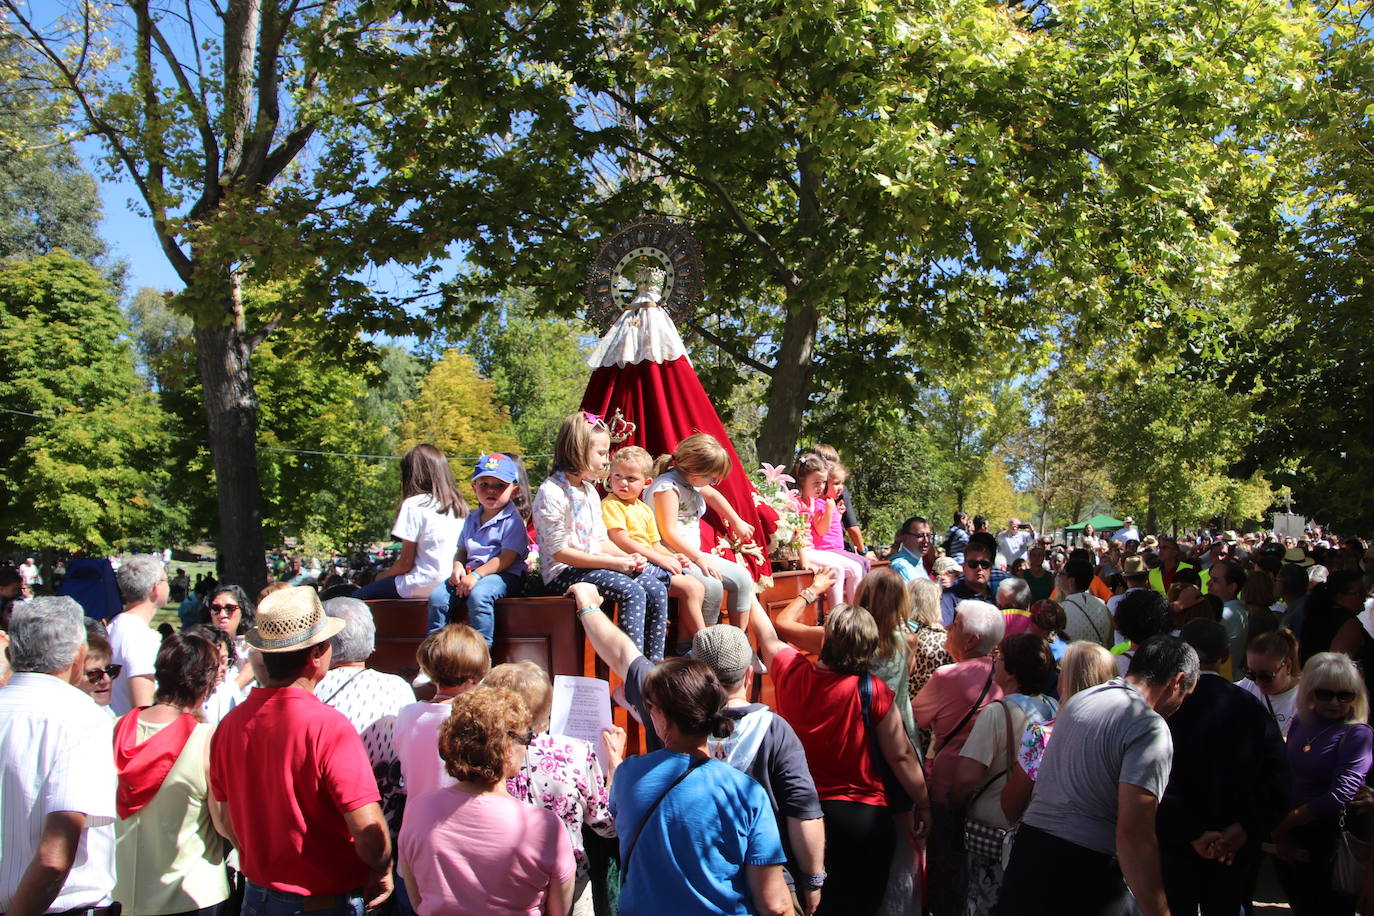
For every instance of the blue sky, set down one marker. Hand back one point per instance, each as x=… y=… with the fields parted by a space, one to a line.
x=130 y=235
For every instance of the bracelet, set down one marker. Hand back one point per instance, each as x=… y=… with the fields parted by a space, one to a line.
x=808 y=594
x=584 y=611
x=814 y=882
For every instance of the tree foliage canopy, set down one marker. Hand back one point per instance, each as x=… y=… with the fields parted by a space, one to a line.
x=86 y=462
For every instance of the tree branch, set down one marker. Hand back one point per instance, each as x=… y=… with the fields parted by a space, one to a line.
x=785 y=275
x=208 y=141
x=731 y=350
x=180 y=262
x=272 y=34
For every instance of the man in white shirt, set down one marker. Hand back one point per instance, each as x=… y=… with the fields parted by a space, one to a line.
x=1127 y=532
x=28 y=571
x=133 y=642
x=1013 y=543
x=57 y=771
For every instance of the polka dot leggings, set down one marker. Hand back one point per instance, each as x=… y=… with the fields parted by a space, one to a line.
x=642 y=599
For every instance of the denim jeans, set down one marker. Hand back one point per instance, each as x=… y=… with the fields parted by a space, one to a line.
x=384 y=587
x=481 y=602
x=262 y=901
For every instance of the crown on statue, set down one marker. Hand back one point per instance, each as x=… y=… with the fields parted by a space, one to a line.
x=620 y=428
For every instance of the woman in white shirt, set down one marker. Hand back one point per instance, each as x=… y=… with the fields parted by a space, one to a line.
x=1273 y=674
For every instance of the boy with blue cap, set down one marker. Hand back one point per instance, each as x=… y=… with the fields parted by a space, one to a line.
x=492 y=547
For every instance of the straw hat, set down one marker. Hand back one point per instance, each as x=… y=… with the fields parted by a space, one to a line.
x=291 y=619
x=1295 y=556
x=1134 y=566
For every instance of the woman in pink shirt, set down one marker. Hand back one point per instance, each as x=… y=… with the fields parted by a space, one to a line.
x=470 y=848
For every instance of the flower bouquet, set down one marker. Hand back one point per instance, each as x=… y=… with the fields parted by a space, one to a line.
x=775 y=494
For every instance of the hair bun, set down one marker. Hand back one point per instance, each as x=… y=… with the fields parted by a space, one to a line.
x=722 y=725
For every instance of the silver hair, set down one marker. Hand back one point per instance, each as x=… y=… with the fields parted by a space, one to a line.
x=982 y=620
x=1016 y=592
x=1317 y=574
x=358 y=639
x=46 y=633
x=138 y=576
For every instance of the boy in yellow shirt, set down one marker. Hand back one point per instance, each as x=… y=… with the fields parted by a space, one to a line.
x=631 y=526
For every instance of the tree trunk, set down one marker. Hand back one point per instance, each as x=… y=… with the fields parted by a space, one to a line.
x=789 y=388
x=231 y=414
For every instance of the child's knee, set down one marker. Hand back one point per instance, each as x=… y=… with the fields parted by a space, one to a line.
x=689 y=588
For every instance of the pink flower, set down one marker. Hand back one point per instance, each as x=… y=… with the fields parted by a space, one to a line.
x=776 y=473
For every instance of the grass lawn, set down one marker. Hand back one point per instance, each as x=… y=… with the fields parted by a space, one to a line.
x=168 y=613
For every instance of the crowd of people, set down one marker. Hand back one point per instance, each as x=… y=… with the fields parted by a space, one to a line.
x=987 y=723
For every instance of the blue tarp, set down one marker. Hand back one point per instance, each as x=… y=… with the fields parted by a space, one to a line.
x=91 y=581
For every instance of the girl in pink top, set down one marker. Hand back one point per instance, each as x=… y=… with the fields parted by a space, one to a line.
x=824 y=542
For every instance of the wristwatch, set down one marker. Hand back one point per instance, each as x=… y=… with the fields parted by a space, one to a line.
x=814 y=882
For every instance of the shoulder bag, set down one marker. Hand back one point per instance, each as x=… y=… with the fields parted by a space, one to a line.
x=938 y=743
x=1352 y=851
x=897 y=799
x=630 y=848
x=991 y=841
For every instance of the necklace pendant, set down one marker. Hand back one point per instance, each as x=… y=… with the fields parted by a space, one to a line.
x=1306 y=748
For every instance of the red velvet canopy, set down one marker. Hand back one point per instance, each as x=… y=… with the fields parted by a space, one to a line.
x=666 y=403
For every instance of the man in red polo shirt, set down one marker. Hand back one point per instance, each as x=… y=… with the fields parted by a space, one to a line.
x=298 y=789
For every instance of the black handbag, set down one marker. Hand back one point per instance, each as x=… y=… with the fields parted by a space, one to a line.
x=897 y=799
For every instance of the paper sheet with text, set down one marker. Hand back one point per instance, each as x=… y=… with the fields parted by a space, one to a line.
x=581 y=709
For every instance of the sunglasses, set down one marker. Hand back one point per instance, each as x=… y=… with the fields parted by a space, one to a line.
x=1326 y=696
x=94 y=675
x=224 y=608
x=1261 y=677
x=978 y=564
x=524 y=740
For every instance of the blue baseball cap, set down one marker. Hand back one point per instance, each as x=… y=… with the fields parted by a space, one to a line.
x=498 y=466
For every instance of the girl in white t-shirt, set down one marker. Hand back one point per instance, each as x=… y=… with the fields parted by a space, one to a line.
x=427 y=525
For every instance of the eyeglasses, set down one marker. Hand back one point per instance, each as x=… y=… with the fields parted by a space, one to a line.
x=224 y=608
x=1261 y=677
x=525 y=740
x=978 y=564
x=1323 y=695
x=94 y=675
x=920 y=535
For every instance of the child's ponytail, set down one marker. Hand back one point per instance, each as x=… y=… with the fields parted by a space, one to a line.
x=521 y=499
x=661 y=465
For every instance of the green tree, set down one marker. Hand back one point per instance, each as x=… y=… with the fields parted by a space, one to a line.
x=162 y=339
x=1299 y=350
x=47 y=198
x=973 y=416
x=896 y=470
x=538 y=369
x=315 y=485
x=210 y=116
x=1170 y=448
x=870 y=179
x=456 y=410
x=993 y=495
x=86 y=458
x=1056 y=449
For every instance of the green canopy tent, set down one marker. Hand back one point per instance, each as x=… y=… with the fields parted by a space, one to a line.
x=1102 y=524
